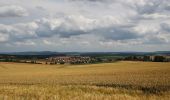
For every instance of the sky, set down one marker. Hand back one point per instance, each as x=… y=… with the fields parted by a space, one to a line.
x=84 y=25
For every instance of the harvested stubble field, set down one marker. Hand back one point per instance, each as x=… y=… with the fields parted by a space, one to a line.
x=120 y=80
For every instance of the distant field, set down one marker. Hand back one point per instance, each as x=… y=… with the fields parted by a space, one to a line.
x=120 y=80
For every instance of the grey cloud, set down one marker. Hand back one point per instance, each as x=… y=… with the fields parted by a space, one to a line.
x=3 y=37
x=154 y=9
x=150 y=7
x=70 y=26
x=67 y=27
x=91 y=0
x=156 y=39
x=128 y=22
x=118 y=33
x=165 y=27
x=64 y=26
x=12 y=11
x=167 y=7
x=18 y=32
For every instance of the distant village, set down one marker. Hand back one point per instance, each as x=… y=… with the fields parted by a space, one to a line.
x=49 y=60
x=83 y=59
x=69 y=60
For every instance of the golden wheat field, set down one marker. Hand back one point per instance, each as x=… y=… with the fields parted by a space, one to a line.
x=108 y=81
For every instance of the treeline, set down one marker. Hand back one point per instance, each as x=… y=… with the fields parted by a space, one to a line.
x=19 y=61
x=148 y=58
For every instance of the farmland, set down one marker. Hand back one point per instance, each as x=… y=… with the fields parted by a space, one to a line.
x=119 y=80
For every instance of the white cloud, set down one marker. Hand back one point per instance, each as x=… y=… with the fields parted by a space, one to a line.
x=73 y=25
x=12 y=11
x=25 y=43
x=95 y=22
x=3 y=37
x=156 y=16
x=46 y=42
x=147 y=28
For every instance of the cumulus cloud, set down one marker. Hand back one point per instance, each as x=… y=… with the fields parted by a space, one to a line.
x=12 y=11
x=69 y=26
x=18 y=32
x=166 y=27
x=94 y=22
x=64 y=27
